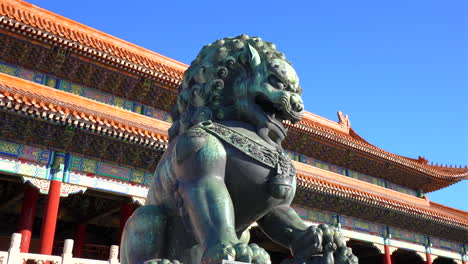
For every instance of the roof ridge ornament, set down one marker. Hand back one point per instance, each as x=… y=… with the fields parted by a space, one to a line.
x=422 y=160
x=343 y=120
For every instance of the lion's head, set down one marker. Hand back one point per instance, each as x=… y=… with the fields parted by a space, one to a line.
x=243 y=79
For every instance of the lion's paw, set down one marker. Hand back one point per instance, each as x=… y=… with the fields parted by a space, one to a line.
x=345 y=256
x=162 y=261
x=239 y=252
x=329 y=247
x=259 y=256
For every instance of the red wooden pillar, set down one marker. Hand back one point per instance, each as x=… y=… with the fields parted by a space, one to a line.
x=28 y=213
x=387 y=257
x=79 y=238
x=50 y=217
x=428 y=258
x=126 y=211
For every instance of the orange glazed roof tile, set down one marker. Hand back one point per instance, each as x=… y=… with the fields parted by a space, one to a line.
x=43 y=25
x=331 y=183
x=341 y=133
x=31 y=98
x=432 y=211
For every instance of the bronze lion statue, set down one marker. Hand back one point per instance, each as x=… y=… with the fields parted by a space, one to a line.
x=225 y=169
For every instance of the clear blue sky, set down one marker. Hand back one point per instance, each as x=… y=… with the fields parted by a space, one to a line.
x=399 y=68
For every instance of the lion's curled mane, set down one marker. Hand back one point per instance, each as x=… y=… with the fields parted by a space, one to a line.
x=215 y=85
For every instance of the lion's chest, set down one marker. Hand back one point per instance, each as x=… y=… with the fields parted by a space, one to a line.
x=249 y=185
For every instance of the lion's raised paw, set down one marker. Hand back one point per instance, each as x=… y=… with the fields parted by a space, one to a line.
x=162 y=261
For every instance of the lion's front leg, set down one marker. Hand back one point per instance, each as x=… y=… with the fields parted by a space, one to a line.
x=285 y=227
x=207 y=202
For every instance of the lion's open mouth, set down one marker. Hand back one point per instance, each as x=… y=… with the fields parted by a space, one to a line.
x=274 y=113
x=273 y=110
x=279 y=111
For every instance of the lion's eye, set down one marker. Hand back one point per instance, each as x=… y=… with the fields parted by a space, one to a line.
x=276 y=82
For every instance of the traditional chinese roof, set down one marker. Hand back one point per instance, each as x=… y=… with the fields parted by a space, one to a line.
x=341 y=187
x=42 y=26
x=341 y=134
x=45 y=26
x=44 y=102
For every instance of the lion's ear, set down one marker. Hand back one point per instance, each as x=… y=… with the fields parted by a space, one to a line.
x=254 y=57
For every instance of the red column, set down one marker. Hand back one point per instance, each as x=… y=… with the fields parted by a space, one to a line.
x=126 y=211
x=26 y=220
x=50 y=217
x=79 y=237
x=428 y=258
x=387 y=256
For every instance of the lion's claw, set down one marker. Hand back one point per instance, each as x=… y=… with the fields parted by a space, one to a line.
x=217 y=253
x=259 y=256
x=162 y=261
x=243 y=253
x=330 y=247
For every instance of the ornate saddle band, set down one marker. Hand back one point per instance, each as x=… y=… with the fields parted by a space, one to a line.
x=274 y=160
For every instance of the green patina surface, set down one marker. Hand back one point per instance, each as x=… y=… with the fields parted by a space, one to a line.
x=245 y=88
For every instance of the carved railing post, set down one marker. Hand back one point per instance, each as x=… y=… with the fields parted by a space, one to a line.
x=114 y=255
x=67 y=254
x=14 y=255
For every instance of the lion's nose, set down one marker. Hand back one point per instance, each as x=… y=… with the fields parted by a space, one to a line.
x=296 y=103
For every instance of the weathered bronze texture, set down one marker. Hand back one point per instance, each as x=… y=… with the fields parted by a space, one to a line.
x=225 y=168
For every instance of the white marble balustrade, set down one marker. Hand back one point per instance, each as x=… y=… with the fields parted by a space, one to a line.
x=14 y=256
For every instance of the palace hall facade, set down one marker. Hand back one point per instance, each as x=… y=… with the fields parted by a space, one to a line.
x=83 y=122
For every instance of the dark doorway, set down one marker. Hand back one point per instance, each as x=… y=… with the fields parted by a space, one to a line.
x=403 y=256
x=366 y=252
x=442 y=260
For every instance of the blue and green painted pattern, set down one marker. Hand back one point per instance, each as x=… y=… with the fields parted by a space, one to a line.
x=80 y=90
x=25 y=160
x=380 y=182
x=350 y=173
x=366 y=178
x=104 y=169
x=360 y=225
x=24 y=152
x=407 y=235
x=316 y=216
x=401 y=189
x=13 y=166
x=59 y=165
x=157 y=113
x=364 y=226
x=31 y=161
x=447 y=245
x=316 y=163
x=22 y=73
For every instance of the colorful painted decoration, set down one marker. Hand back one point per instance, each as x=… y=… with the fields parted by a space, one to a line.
x=350 y=173
x=80 y=90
